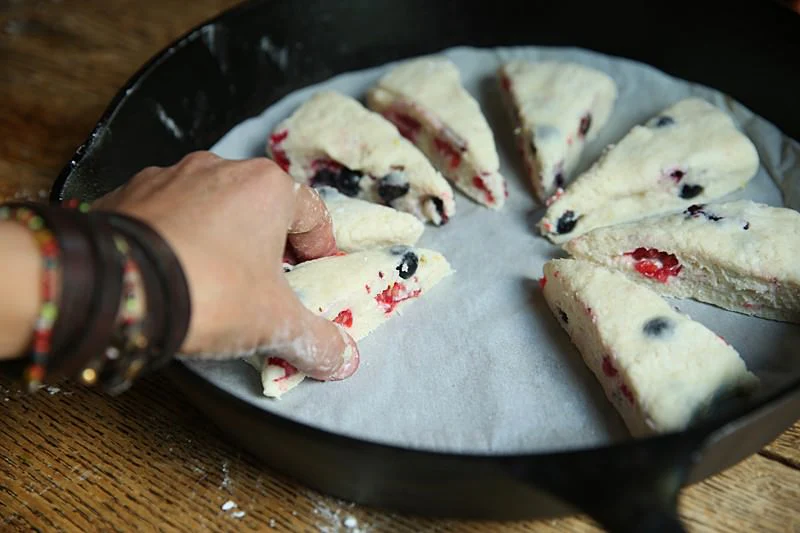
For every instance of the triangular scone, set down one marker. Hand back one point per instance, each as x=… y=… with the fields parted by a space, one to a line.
x=660 y=369
x=359 y=291
x=557 y=108
x=424 y=98
x=741 y=256
x=689 y=153
x=333 y=140
x=361 y=225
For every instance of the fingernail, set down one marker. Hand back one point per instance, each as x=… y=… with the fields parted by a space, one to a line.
x=351 y=358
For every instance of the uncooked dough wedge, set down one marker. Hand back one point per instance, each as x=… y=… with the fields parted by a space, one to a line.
x=333 y=140
x=741 y=256
x=359 y=291
x=557 y=108
x=361 y=225
x=424 y=98
x=689 y=153
x=660 y=369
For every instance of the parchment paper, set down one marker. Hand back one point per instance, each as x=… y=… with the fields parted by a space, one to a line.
x=480 y=364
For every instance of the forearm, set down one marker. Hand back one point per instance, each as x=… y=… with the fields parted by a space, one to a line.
x=19 y=288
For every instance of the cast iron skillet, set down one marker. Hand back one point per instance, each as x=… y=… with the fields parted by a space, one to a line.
x=232 y=68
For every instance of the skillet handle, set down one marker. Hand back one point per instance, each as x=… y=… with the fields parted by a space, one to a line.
x=630 y=487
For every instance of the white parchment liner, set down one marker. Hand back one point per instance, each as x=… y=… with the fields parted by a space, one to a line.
x=480 y=364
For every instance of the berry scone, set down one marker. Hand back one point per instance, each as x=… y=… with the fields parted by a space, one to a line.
x=557 y=108
x=333 y=140
x=361 y=225
x=424 y=98
x=741 y=256
x=660 y=369
x=359 y=291
x=690 y=153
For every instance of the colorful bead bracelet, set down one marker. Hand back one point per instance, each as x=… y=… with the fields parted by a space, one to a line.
x=34 y=373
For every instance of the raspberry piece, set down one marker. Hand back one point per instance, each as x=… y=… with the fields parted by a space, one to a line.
x=608 y=367
x=406 y=125
x=677 y=175
x=345 y=317
x=391 y=296
x=626 y=392
x=655 y=264
x=448 y=150
x=288 y=369
x=586 y=123
x=478 y=182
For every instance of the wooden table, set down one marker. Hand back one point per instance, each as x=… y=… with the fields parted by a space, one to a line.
x=74 y=459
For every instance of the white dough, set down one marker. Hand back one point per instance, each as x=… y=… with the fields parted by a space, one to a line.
x=331 y=130
x=660 y=369
x=742 y=256
x=424 y=98
x=361 y=225
x=696 y=155
x=359 y=291
x=557 y=108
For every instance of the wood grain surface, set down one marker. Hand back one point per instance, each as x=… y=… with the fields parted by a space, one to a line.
x=76 y=460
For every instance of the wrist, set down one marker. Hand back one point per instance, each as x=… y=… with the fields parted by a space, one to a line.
x=19 y=288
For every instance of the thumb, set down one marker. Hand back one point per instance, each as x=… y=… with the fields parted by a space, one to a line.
x=315 y=346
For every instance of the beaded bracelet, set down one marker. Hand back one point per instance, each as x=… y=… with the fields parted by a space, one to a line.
x=34 y=373
x=123 y=306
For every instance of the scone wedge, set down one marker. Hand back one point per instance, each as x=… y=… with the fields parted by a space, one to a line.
x=333 y=140
x=658 y=368
x=690 y=153
x=424 y=98
x=741 y=256
x=557 y=107
x=359 y=291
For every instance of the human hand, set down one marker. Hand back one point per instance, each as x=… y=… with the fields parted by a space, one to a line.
x=230 y=223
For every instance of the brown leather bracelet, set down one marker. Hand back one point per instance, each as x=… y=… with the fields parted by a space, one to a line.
x=118 y=374
x=87 y=357
x=173 y=284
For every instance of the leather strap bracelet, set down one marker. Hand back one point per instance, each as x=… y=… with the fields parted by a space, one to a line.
x=95 y=337
x=173 y=284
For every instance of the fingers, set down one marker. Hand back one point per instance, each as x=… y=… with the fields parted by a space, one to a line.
x=311 y=229
x=312 y=344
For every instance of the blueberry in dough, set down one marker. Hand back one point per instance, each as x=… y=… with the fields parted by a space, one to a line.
x=663 y=121
x=690 y=191
x=566 y=222
x=393 y=186
x=658 y=327
x=408 y=266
